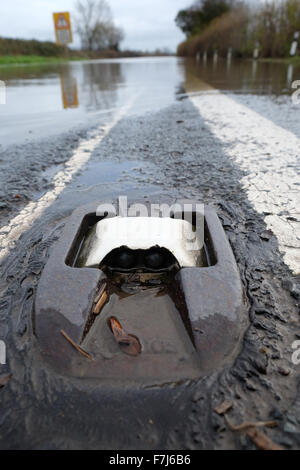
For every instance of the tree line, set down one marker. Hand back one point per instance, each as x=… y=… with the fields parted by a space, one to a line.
x=95 y=26
x=211 y=25
x=13 y=47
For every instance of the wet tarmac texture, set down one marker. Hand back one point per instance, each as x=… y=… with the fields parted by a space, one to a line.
x=178 y=157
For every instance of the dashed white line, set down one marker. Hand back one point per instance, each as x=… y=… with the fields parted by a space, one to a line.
x=269 y=155
x=33 y=210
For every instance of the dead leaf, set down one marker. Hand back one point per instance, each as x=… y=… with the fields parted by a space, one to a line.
x=128 y=343
x=223 y=407
x=4 y=379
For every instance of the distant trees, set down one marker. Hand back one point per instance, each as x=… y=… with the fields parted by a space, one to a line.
x=274 y=27
x=227 y=30
x=95 y=26
x=199 y=15
x=270 y=25
x=10 y=46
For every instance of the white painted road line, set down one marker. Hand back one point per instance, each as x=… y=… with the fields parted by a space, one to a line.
x=269 y=156
x=34 y=210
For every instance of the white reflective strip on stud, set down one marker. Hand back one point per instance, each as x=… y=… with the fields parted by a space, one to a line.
x=142 y=233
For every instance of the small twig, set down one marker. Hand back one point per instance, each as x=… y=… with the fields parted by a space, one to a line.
x=262 y=441
x=249 y=424
x=97 y=298
x=78 y=348
x=100 y=303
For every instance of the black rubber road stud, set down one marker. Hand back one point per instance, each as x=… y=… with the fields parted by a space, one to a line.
x=158 y=321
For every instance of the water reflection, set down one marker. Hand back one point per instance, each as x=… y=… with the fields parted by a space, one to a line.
x=254 y=68
x=240 y=76
x=69 y=90
x=37 y=96
x=20 y=73
x=91 y=85
x=229 y=57
x=289 y=75
x=215 y=59
x=100 y=84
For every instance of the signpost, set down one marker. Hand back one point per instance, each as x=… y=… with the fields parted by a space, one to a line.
x=63 y=30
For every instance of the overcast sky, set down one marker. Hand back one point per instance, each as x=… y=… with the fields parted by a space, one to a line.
x=148 y=24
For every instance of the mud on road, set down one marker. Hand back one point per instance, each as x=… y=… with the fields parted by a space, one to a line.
x=175 y=156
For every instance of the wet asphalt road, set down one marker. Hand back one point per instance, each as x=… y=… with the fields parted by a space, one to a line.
x=237 y=150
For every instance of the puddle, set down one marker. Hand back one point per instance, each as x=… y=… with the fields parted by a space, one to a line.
x=108 y=172
x=128 y=174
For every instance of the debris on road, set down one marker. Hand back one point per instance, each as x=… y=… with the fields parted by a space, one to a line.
x=223 y=407
x=4 y=379
x=78 y=348
x=98 y=307
x=128 y=343
x=250 y=424
x=101 y=291
x=266 y=235
x=250 y=428
x=262 y=441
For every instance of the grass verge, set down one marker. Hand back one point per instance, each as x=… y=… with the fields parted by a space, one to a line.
x=33 y=59
x=282 y=60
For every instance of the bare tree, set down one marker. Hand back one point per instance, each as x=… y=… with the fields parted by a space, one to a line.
x=94 y=24
x=115 y=36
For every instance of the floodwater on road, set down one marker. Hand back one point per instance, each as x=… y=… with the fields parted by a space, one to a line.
x=43 y=100
x=47 y=100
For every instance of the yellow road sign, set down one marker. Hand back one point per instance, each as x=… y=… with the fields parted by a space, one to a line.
x=63 y=30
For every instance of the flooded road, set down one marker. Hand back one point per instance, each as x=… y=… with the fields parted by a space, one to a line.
x=155 y=129
x=47 y=99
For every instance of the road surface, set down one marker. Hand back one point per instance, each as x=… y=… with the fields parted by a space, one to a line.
x=225 y=134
